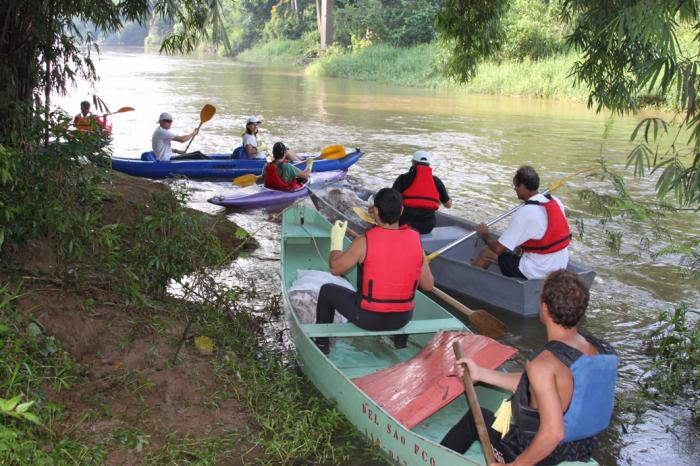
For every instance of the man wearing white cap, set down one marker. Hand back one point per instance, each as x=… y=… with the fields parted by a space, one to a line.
x=163 y=136
x=422 y=194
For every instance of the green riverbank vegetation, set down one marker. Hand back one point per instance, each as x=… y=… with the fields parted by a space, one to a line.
x=119 y=342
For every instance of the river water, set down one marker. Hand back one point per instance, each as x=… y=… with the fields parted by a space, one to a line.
x=477 y=142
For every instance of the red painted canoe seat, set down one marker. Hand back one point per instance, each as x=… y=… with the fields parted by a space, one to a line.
x=413 y=390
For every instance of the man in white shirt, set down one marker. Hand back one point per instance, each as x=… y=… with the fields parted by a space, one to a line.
x=163 y=136
x=537 y=238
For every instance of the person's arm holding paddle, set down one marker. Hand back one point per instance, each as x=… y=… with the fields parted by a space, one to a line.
x=505 y=380
x=482 y=231
x=184 y=138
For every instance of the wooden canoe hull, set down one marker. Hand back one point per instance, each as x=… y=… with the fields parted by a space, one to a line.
x=303 y=244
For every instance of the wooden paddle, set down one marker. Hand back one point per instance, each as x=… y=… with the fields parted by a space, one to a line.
x=483 y=322
x=121 y=110
x=205 y=115
x=554 y=186
x=474 y=407
x=328 y=153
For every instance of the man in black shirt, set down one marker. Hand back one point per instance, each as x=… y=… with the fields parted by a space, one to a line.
x=422 y=194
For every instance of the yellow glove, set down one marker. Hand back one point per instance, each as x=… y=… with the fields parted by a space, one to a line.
x=309 y=165
x=502 y=421
x=337 y=235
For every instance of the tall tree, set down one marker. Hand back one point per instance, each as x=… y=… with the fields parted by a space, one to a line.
x=43 y=49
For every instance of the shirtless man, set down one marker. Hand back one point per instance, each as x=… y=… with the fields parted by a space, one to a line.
x=549 y=425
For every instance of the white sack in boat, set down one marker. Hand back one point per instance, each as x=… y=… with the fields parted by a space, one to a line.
x=303 y=293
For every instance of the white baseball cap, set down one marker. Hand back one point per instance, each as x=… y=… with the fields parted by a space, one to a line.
x=252 y=119
x=165 y=116
x=422 y=156
x=259 y=119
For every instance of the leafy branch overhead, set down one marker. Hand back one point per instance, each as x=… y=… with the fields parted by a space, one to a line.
x=628 y=50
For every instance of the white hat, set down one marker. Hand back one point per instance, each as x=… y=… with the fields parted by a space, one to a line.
x=422 y=156
x=252 y=119
x=165 y=116
x=259 y=119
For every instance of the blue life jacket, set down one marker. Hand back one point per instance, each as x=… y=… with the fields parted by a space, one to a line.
x=149 y=156
x=240 y=153
x=591 y=404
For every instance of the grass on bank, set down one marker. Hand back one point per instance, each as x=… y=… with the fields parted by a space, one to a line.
x=420 y=66
x=50 y=196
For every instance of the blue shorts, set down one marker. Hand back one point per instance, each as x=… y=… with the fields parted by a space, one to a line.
x=509 y=264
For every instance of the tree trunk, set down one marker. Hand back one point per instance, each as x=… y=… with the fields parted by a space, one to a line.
x=327 y=7
x=318 y=15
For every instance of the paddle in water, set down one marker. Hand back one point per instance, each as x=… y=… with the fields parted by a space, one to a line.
x=205 y=115
x=482 y=321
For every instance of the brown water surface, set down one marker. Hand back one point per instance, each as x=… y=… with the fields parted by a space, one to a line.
x=477 y=143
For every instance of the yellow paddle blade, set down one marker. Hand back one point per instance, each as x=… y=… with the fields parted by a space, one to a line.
x=245 y=180
x=207 y=113
x=364 y=215
x=332 y=152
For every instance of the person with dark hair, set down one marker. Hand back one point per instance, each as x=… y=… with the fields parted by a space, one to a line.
x=536 y=240
x=390 y=264
x=422 y=194
x=253 y=145
x=278 y=174
x=545 y=421
x=88 y=121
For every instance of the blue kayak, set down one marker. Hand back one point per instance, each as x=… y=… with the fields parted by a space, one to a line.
x=217 y=166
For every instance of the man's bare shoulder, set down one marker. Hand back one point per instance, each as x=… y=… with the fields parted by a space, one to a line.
x=544 y=364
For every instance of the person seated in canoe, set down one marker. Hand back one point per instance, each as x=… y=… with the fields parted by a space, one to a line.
x=253 y=144
x=551 y=422
x=88 y=121
x=422 y=194
x=391 y=266
x=283 y=176
x=163 y=137
x=537 y=239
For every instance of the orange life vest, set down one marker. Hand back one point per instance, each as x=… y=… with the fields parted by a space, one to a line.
x=388 y=277
x=558 y=234
x=89 y=122
x=274 y=181
x=422 y=192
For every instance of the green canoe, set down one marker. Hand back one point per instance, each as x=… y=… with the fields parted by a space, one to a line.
x=357 y=353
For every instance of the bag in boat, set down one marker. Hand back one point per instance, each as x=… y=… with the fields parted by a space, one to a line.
x=303 y=293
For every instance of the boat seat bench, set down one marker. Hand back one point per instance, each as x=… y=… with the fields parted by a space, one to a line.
x=352 y=330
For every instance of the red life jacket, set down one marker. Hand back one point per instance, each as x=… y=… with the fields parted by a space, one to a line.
x=388 y=277
x=558 y=234
x=422 y=192
x=274 y=181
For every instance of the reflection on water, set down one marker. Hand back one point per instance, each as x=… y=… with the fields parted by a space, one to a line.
x=477 y=142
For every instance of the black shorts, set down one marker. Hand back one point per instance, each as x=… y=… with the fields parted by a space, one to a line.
x=509 y=264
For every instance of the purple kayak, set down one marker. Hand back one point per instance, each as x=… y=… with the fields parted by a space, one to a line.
x=256 y=196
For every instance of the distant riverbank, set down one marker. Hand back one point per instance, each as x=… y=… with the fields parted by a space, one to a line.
x=419 y=66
